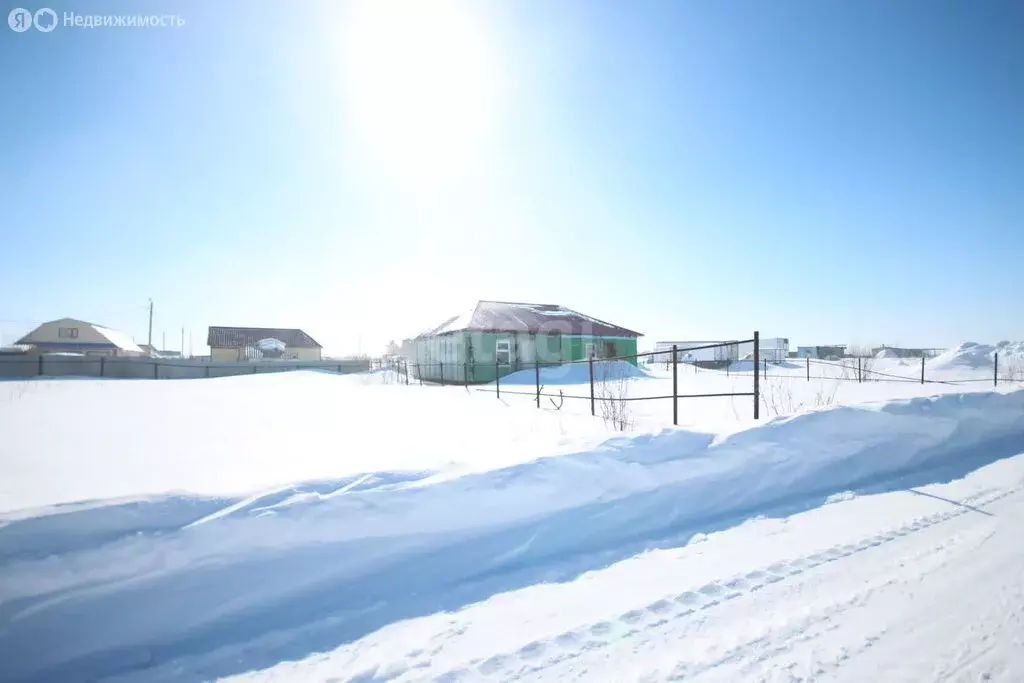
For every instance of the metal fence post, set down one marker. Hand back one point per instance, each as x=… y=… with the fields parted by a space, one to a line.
x=757 y=384
x=40 y=365
x=765 y=363
x=255 y=368
x=922 y=369
x=808 y=359
x=590 y=362
x=156 y=371
x=441 y=363
x=465 y=374
x=536 y=373
x=860 y=370
x=497 y=377
x=995 y=371
x=101 y=365
x=207 y=371
x=675 y=386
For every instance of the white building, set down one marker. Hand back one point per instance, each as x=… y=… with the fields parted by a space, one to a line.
x=772 y=348
x=691 y=351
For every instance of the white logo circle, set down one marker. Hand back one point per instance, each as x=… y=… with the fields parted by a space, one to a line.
x=19 y=19
x=45 y=26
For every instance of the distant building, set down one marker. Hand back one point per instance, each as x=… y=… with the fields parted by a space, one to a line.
x=834 y=352
x=898 y=352
x=256 y=343
x=68 y=335
x=770 y=348
x=153 y=352
x=684 y=354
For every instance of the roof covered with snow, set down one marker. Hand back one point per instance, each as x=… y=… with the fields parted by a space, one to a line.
x=508 y=316
x=119 y=339
x=234 y=337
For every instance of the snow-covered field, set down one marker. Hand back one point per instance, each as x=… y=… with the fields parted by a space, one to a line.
x=314 y=527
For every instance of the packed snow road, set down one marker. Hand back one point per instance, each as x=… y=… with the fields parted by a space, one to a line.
x=921 y=585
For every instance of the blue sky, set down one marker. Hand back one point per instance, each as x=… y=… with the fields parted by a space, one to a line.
x=824 y=171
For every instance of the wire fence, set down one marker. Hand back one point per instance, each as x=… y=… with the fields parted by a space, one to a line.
x=862 y=370
x=605 y=382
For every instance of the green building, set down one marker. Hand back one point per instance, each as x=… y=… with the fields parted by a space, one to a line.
x=496 y=338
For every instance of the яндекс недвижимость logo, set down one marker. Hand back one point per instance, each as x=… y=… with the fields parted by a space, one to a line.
x=45 y=20
x=21 y=20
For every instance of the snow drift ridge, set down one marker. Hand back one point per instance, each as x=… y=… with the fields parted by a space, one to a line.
x=302 y=574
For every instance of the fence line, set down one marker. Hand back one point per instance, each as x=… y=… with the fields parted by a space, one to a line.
x=104 y=367
x=863 y=373
x=403 y=367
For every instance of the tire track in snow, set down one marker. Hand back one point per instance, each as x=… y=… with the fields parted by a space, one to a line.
x=572 y=644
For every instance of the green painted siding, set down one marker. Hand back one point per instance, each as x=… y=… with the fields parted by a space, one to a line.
x=605 y=347
x=448 y=357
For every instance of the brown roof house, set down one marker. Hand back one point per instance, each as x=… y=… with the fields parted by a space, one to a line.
x=229 y=344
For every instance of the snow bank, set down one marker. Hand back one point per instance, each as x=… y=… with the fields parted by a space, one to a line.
x=886 y=353
x=299 y=570
x=971 y=355
x=63 y=442
x=577 y=373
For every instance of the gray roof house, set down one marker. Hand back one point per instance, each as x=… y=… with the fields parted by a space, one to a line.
x=244 y=343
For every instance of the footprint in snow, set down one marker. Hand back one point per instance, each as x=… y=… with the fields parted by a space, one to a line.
x=531 y=651
x=493 y=664
x=736 y=584
x=711 y=589
x=688 y=598
x=632 y=616
x=569 y=640
x=660 y=607
x=602 y=628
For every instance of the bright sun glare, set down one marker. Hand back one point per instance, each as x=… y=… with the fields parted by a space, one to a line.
x=420 y=87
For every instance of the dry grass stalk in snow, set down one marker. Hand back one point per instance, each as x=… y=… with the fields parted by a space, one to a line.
x=778 y=398
x=611 y=389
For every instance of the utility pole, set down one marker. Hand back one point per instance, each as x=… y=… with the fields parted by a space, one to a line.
x=150 y=341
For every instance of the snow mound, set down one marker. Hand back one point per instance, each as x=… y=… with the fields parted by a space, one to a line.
x=886 y=353
x=249 y=582
x=577 y=373
x=973 y=355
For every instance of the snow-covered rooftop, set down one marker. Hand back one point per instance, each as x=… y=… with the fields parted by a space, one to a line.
x=509 y=316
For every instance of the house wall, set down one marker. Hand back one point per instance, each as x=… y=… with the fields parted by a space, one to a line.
x=305 y=353
x=446 y=357
x=231 y=354
x=224 y=355
x=622 y=346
